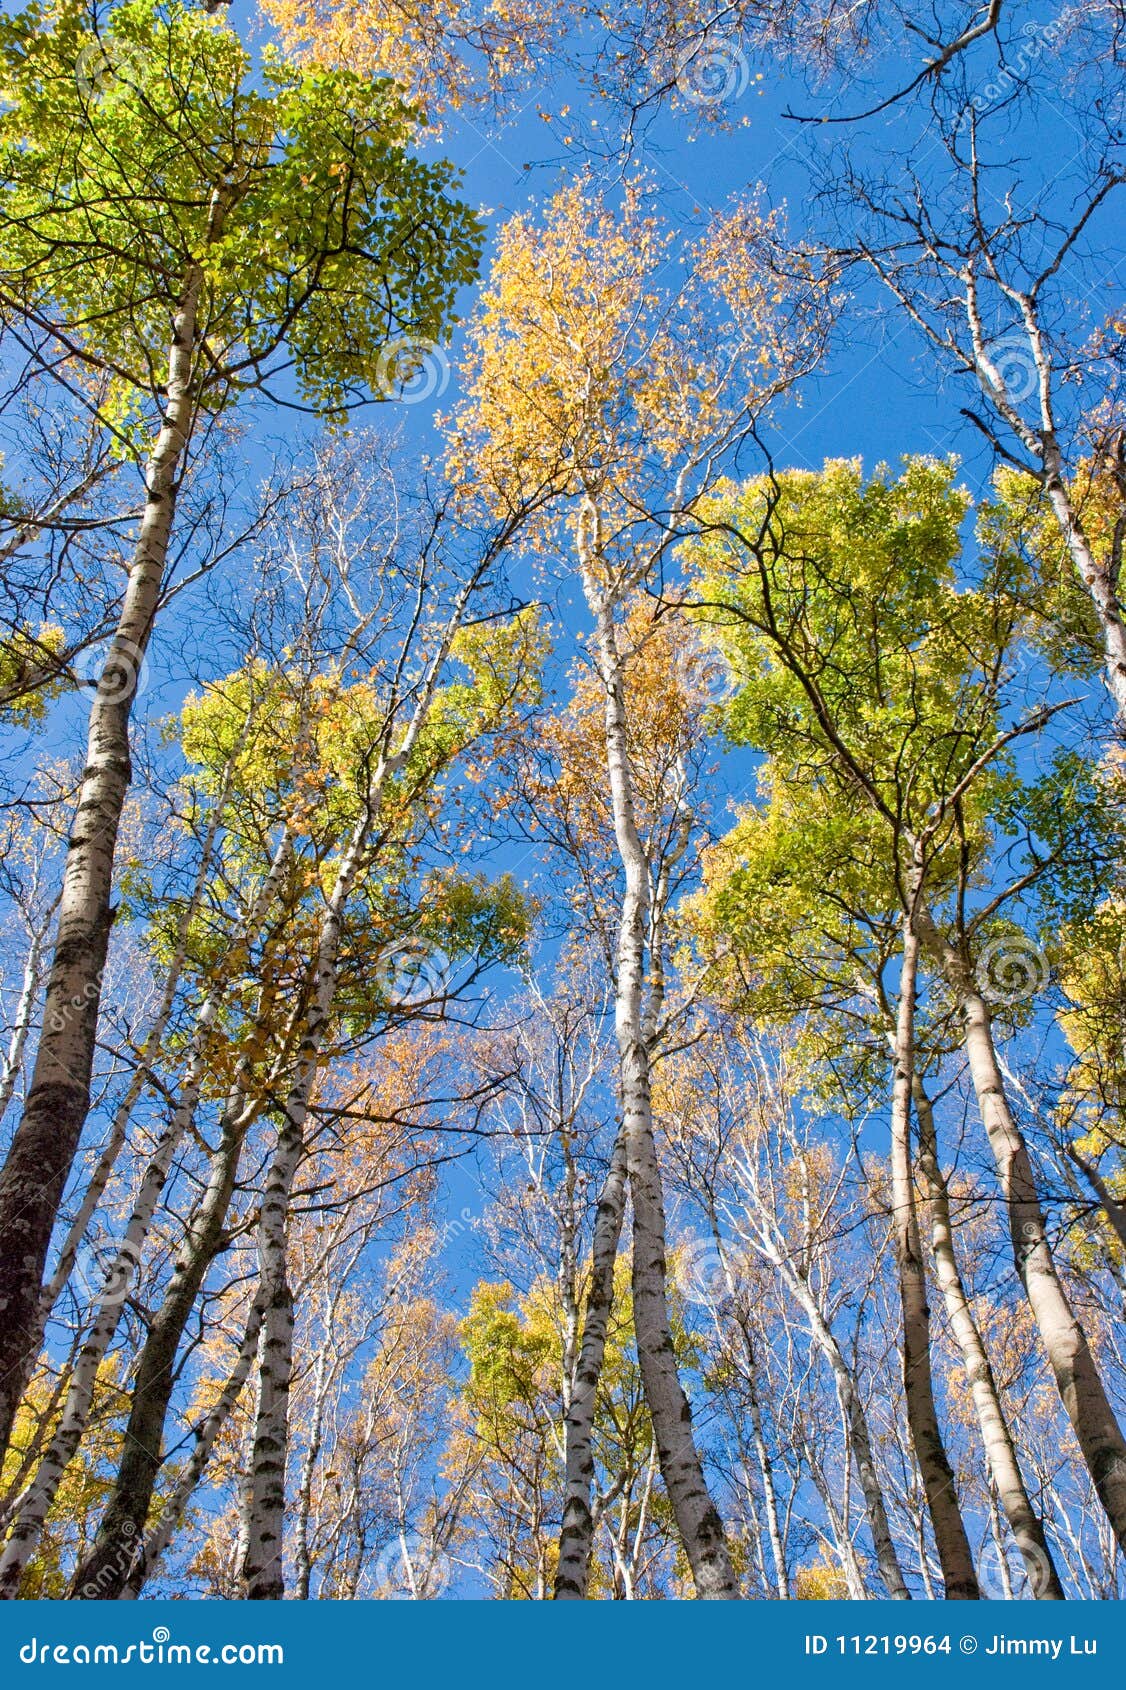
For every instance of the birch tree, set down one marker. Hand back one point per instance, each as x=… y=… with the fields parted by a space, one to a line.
x=844 y=735
x=185 y=233
x=584 y=377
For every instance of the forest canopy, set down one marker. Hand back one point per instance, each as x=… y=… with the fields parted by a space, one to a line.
x=562 y=801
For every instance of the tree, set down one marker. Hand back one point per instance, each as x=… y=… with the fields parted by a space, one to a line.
x=341 y=753
x=870 y=703
x=188 y=233
x=588 y=380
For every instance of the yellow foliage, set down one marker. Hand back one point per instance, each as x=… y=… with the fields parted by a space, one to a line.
x=590 y=377
x=443 y=59
x=820 y=1582
x=72 y=1519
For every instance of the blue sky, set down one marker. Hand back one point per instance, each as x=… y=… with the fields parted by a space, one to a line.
x=876 y=395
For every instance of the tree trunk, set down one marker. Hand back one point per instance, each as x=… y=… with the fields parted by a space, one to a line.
x=25 y=1008
x=1096 y=577
x=262 y=1569
x=698 y=1522
x=104 y=1572
x=1113 y=1209
x=142 y=1074
x=302 y=1557
x=31 y=1511
x=1000 y=1451
x=954 y=1553
x=46 y=1141
x=572 y=1574
x=156 y=1540
x=1065 y=1343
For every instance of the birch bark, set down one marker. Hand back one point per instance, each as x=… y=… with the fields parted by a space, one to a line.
x=954 y=1554
x=1000 y=1451
x=572 y=1575
x=1065 y=1343
x=262 y=1569
x=47 y=1137
x=25 y=1007
x=698 y=1521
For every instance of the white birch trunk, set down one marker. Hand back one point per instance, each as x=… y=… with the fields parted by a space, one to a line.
x=262 y=1569
x=25 y=1009
x=46 y=1140
x=1000 y=1450
x=758 y=1435
x=572 y=1574
x=1065 y=1343
x=954 y=1553
x=1094 y=574
x=698 y=1521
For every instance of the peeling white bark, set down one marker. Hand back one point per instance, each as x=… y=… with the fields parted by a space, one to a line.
x=698 y=1521
x=46 y=1140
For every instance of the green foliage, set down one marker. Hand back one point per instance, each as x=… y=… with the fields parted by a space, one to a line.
x=513 y=1352
x=24 y=657
x=1019 y=526
x=1092 y=966
x=139 y=147
x=855 y=588
x=504 y=662
x=272 y=745
x=876 y=683
x=514 y=1346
